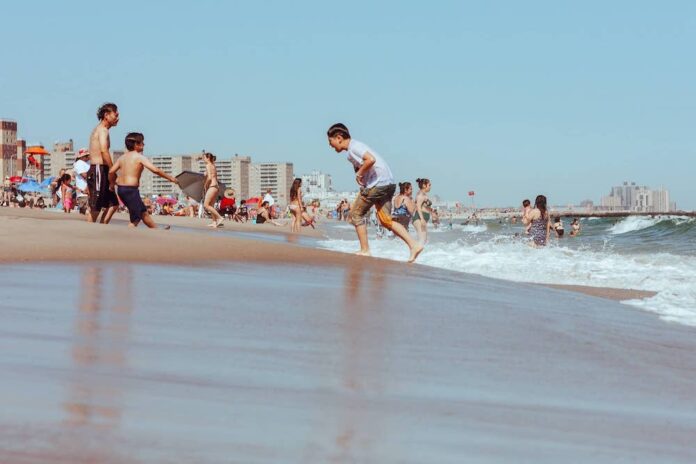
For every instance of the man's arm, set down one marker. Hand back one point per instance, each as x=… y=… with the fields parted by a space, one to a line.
x=148 y=164
x=368 y=162
x=114 y=169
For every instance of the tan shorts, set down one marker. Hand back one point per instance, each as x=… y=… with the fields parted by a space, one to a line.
x=380 y=198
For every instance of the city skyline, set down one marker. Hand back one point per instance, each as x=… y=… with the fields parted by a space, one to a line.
x=509 y=100
x=613 y=201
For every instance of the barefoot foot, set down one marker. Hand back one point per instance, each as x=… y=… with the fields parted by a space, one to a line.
x=363 y=253
x=415 y=251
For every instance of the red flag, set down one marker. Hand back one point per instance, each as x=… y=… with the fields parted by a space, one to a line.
x=471 y=193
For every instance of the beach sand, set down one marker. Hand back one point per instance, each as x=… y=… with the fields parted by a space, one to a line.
x=183 y=347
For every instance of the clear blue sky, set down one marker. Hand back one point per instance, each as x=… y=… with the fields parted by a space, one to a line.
x=509 y=99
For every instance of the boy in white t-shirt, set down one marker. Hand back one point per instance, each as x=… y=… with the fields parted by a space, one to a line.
x=377 y=188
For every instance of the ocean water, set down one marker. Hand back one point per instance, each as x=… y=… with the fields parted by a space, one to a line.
x=643 y=253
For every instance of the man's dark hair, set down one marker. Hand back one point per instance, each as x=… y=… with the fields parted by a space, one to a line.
x=133 y=138
x=106 y=108
x=526 y=203
x=338 y=129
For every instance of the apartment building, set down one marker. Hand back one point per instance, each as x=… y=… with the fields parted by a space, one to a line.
x=8 y=147
x=275 y=176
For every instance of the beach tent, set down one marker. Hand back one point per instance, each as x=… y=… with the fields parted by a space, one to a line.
x=30 y=185
x=47 y=182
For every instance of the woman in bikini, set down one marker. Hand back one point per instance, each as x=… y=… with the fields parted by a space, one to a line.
x=404 y=206
x=296 y=207
x=422 y=213
x=212 y=189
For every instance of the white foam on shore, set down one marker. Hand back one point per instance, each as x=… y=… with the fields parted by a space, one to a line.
x=668 y=274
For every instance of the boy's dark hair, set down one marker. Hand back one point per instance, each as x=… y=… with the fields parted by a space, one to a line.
x=264 y=204
x=106 y=108
x=132 y=139
x=526 y=203
x=338 y=129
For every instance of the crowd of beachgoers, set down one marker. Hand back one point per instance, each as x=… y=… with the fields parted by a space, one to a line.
x=98 y=187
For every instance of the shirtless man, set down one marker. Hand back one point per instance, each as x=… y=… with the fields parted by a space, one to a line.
x=131 y=165
x=100 y=184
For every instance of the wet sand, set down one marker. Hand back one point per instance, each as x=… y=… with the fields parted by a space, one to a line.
x=259 y=363
x=35 y=235
x=260 y=352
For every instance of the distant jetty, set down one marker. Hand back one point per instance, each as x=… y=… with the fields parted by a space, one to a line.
x=618 y=214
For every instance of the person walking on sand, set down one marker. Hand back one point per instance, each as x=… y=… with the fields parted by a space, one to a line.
x=538 y=217
x=423 y=210
x=211 y=187
x=100 y=185
x=296 y=206
x=131 y=165
x=377 y=189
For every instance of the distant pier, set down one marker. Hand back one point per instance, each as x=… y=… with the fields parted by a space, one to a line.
x=620 y=214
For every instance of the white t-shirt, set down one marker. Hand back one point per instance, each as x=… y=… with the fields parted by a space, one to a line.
x=80 y=167
x=379 y=174
x=269 y=199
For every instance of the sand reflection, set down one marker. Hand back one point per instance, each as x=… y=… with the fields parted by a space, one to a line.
x=363 y=350
x=99 y=353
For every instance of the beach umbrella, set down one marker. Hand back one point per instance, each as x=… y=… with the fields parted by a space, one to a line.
x=253 y=202
x=191 y=184
x=16 y=179
x=166 y=201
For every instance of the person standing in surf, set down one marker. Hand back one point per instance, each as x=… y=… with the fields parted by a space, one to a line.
x=100 y=185
x=423 y=210
x=538 y=218
x=377 y=189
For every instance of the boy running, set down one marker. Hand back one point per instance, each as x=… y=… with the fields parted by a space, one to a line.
x=131 y=165
x=377 y=188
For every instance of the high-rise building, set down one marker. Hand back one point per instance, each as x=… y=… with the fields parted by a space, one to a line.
x=233 y=172
x=316 y=184
x=151 y=184
x=58 y=160
x=8 y=147
x=632 y=197
x=63 y=146
x=21 y=163
x=277 y=177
